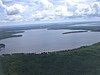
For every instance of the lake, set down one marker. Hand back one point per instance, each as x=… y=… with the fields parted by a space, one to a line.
x=43 y=40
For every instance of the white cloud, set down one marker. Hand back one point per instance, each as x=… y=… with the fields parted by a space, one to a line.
x=45 y=14
x=96 y=7
x=62 y=11
x=46 y=3
x=15 y=9
x=50 y=9
x=14 y=18
x=2 y=5
x=83 y=9
x=37 y=15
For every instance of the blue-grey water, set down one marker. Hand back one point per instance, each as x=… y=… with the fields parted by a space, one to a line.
x=43 y=40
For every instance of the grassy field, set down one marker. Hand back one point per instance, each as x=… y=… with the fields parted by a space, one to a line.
x=81 y=61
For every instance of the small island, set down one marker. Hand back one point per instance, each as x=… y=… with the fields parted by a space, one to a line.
x=74 y=32
x=2 y=46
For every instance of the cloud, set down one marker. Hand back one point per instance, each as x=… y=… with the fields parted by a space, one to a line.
x=44 y=15
x=83 y=9
x=15 y=9
x=46 y=3
x=62 y=11
x=2 y=5
x=14 y=18
x=50 y=9
x=96 y=7
x=67 y=8
x=7 y=0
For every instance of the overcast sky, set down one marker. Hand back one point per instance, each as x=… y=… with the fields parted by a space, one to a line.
x=47 y=10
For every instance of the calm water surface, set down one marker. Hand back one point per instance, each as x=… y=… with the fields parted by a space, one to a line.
x=43 y=40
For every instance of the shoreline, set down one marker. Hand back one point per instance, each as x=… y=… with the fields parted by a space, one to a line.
x=63 y=50
x=74 y=32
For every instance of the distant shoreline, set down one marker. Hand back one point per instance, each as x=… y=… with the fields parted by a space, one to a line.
x=74 y=32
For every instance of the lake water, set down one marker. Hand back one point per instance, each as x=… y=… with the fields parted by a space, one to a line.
x=43 y=40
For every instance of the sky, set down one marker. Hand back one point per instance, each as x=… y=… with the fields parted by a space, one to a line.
x=48 y=10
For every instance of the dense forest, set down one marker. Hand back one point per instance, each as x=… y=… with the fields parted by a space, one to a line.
x=81 y=61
